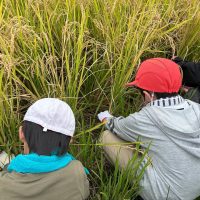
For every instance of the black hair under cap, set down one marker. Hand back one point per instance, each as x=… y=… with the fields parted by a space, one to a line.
x=44 y=143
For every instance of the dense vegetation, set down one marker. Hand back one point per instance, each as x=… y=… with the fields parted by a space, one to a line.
x=83 y=52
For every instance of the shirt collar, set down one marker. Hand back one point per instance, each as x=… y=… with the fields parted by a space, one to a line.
x=169 y=101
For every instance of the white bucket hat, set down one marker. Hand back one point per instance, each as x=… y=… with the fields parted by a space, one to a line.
x=52 y=114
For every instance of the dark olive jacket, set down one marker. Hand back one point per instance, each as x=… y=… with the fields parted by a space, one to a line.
x=191 y=78
x=68 y=183
x=191 y=72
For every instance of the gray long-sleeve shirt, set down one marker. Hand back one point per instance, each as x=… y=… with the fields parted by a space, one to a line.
x=174 y=131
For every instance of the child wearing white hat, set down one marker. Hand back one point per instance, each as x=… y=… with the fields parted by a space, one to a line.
x=46 y=170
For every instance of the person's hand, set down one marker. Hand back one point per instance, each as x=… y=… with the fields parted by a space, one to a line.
x=173 y=57
x=185 y=89
x=103 y=115
x=4 y=159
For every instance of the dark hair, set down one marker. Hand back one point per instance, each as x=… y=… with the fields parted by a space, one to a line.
x=44 y=143
x=159 y=95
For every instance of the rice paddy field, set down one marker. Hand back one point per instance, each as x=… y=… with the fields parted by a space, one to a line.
x=83 y=52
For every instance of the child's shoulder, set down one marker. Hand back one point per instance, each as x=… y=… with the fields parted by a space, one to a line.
x=74 y=167
x=75 y=163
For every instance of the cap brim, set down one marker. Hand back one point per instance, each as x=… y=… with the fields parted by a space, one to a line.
x=131 y=84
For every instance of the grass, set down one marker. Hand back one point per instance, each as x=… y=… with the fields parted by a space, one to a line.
x=83 y=52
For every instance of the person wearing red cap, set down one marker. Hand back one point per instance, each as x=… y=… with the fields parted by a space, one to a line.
x=170 y=124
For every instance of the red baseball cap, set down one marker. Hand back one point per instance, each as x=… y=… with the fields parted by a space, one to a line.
x=158 y=75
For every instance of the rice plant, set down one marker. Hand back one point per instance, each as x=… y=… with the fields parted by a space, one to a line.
x=83 y=52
